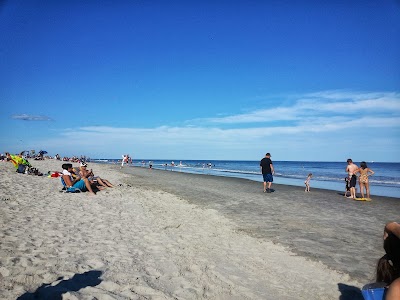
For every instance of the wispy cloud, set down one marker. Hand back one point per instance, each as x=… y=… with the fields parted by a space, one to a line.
x=309 y=114
x=26 y=117
x=329 y=104
x=312 y=124
x=98 y=135
x=262 y=115
x=349 y=103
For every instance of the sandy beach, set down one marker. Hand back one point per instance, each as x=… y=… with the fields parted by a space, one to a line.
x=171 y=235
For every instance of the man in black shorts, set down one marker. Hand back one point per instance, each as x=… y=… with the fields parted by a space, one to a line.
x=351 y=168
x=267 y=170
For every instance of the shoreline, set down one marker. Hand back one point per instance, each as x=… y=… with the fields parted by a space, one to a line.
x=339 y=186
x=163 y=234
x=301 y=187
x=311 y=219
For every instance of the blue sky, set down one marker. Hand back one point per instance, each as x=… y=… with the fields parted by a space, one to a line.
x=304 y=80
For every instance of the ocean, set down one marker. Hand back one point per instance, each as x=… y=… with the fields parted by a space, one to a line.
x=326 y=175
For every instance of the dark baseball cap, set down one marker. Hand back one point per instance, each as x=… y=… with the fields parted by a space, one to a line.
x=268 y=154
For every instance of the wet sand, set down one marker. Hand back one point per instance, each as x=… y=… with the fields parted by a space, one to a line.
x=322 y=225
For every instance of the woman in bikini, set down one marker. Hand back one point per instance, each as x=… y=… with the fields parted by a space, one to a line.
x=365 y=172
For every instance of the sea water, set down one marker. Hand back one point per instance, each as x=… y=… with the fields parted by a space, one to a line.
x=326 y=175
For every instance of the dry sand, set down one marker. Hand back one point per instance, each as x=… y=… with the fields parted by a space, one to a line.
x=169 y=235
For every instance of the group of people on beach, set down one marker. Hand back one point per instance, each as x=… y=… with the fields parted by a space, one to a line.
x=83 y=179
x=388 y=266
x=267 y=171
x=364 y=172
x=78 y=178
x=126 y=159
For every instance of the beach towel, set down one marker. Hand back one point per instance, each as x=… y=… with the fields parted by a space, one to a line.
x=71 y=189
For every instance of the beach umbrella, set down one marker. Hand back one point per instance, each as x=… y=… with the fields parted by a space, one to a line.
x=42 y=152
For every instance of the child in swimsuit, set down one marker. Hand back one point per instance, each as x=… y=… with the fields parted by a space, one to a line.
x=307 y=182
x=347 y=179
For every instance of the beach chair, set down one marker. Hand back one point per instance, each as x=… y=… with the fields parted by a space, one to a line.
x=71 y=189
x=374 y=291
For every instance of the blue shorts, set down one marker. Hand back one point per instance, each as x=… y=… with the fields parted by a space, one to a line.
x=268 y=178
x=80 y=185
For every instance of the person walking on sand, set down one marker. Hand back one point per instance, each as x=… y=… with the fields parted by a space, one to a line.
x=307 y=182
x=267 y=170
x=351 y=169
x=125 y=159
x=363 y=180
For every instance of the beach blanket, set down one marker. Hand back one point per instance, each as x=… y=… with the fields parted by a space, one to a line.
x=17 y=160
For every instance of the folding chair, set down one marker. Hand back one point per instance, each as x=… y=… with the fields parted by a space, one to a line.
x=66 y=189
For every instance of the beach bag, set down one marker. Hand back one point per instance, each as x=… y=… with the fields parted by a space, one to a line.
x=21 y=168
x=34 y=171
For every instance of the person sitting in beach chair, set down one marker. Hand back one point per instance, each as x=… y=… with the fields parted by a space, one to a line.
x=80 y=172
x=82 y=184
x=85 y=173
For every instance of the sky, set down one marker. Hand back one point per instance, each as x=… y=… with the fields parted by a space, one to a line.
x=212 y=80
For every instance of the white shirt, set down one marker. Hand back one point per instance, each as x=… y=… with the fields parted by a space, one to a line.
x=66 y=172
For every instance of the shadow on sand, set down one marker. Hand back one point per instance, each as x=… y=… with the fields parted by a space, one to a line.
x=349 y=292
x=77 y=282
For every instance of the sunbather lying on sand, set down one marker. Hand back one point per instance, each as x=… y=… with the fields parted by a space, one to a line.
x=81 y=183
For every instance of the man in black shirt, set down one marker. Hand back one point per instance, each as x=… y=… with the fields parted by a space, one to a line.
x=267 y=170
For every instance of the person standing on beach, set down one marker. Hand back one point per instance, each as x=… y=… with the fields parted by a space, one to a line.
x=347 y=180
x=267 y=170
x=122 y=161
x=125 y=159
x=307 y=182
x=365 y=172
x=351 y=169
